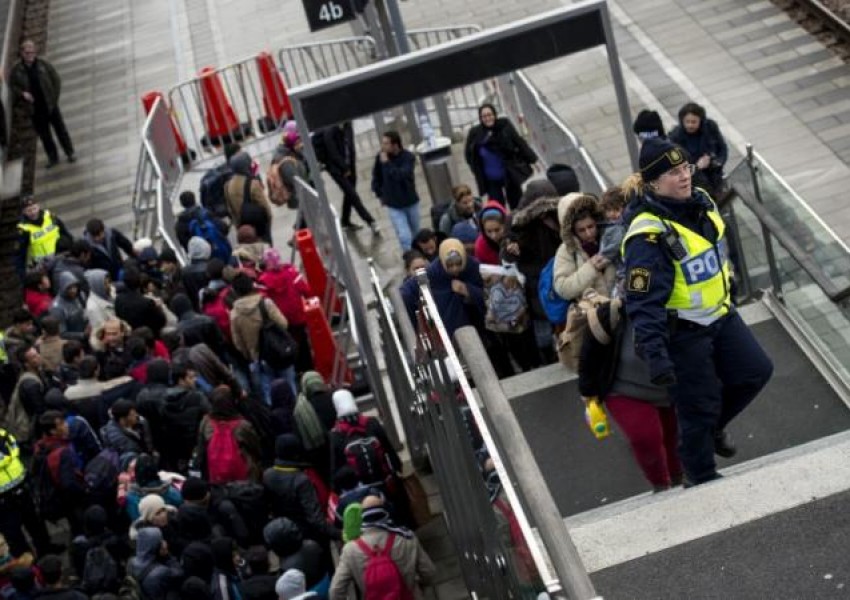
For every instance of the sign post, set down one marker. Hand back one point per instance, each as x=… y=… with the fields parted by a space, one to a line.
x=322 y=14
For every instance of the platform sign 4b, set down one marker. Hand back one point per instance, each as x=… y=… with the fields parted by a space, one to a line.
x=322 y=14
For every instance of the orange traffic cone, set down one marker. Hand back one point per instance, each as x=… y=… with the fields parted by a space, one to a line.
x=148 y=101
x=328 y=359
x=316 y=273
x=275 y=99
x=219 y=116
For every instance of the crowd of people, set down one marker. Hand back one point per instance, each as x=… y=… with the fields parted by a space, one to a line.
x=171 y=416
x=634 y=289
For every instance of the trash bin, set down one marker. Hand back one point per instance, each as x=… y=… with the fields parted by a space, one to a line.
x=436 y=164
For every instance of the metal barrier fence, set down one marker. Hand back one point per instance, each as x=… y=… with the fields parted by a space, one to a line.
x=158 y=177
x=353 y=327
x=310 y=62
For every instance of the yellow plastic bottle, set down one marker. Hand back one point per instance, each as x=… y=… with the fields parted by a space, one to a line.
x=596 y=418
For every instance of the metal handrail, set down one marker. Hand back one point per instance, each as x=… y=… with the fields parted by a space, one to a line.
x=495 y=453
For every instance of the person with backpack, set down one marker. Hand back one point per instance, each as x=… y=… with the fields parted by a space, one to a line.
x=195 y=219
x=386 y=561
x=245 y=198
x=98 y=554
x=52 y=576
x=362 y=443
x=83 y=437
x=57 y=473
x=194 y=275
x=27 y=401
x=153 y=572
x=251 y=319
x=228 y=445
x=17 y=503
x=287 y=288
x=314 y=415
x=293 y=493
x=195 y=327
x=180 y=419
x=212 y=186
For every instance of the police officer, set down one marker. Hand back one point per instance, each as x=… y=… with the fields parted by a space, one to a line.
x=38 y=234
x=678 y=295
x=17 y=505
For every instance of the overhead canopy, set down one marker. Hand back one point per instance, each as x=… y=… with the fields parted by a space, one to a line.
x=474 y=58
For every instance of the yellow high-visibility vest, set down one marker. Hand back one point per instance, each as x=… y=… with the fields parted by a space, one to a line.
x=43 y=238
x=12 y=470
x=702 y=281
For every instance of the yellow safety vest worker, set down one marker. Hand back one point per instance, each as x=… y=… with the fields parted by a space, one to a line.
x=702 y=281
x=43 y=238
x=4 y=357
x=12 y=470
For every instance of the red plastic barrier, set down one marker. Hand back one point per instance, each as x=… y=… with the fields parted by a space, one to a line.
x=219 y=115
x=314 y=269
x=148 y=101
x=275 y=99
x=326 y=352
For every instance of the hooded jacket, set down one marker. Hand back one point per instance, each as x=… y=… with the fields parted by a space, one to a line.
x=163 y=579
x=284 y=538
x=286 y=287
x=234 y=190
x=292 y=585
x=451 y=217
x=456 y=310
x=502 y=140
x=70 y=311
x=487 y=251
x=106 y=255
x=573 y=272
x=246 y=321
x=139 y=311
x=538 y=234
x=100 y=305
x=196 y=328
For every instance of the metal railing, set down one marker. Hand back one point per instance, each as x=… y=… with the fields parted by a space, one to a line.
x=478 y=489
x=353 y=328
x=158 y=176
x=310 y=62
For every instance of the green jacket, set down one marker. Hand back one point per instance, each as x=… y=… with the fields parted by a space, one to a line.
x=47 y=75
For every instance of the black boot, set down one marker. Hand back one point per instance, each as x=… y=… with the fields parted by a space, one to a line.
x=723 y=445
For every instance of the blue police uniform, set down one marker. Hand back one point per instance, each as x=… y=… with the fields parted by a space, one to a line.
x=686 y=327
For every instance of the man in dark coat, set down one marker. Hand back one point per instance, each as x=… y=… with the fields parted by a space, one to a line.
x=394 y=183
x=195 y=327
x=34 y=81
x=341 y=165
x=136 y=309
x=107 y=245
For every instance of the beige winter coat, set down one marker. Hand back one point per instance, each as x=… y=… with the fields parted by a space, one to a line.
x=246 y=322
x=573 y=273
x=408 y=555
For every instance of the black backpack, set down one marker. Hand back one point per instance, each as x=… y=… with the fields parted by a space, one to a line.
x=100 y=574
x=252 y=213
x=212 y=190
x=101 y=474
x=47 y=496
x=277 y=347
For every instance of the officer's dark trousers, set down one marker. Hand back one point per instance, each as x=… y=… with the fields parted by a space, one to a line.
x=719 y=370
x=42 y=123
x=17 y=510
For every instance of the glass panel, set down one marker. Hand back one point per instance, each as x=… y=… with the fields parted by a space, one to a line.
x=827 y=323
x=796 y=218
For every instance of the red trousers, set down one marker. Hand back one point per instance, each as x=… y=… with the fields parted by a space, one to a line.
x=651 y=431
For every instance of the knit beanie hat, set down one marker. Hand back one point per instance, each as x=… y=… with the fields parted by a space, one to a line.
x=199 y=249
x=312 y=382
x=657 y=156
x=648 y=125
x=564 y=178
x=271 y=259
x=344 y=403
x=465 y=231
x=150 y=505
x=291 y=585
x=452 y=249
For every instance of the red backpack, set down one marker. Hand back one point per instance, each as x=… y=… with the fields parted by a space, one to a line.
x=225 y=462
x=216 y=308
x=381 y=578
x=364 y=453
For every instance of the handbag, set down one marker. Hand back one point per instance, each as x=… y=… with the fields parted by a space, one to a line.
x=277 y=347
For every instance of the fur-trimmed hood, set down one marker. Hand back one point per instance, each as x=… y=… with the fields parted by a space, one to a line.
x=569 y=207
x=537 y=209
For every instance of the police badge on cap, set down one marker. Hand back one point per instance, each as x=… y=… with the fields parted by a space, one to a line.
x=657 y=156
